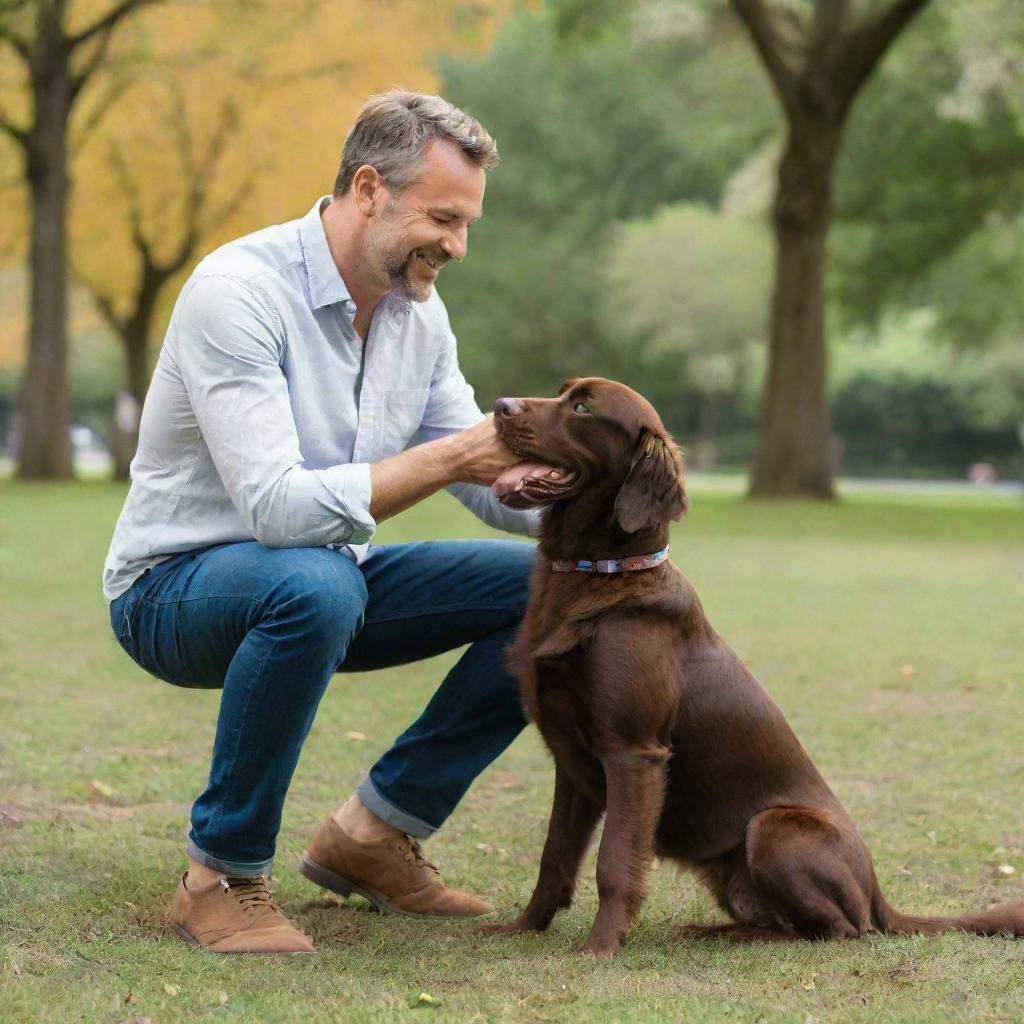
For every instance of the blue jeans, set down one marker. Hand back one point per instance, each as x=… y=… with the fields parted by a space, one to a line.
x=272 y=625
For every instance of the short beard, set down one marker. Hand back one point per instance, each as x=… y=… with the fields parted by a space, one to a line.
x=398 y=267
x=400 y=277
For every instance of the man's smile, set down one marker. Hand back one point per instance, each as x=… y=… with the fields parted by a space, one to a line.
x=434 y=262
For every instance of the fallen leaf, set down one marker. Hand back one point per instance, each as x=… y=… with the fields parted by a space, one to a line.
x=356 y=737
x=908 y=670
x=507 y=780
x=102 y=788
x=11 y=818
x=129 y=1000
x=810 y=986
x=485 y=848
x=17 y=971
x=223 y=997
x=171 y=990
x=1005 y=870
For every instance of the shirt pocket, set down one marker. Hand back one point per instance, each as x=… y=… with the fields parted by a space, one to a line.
x=403 y=414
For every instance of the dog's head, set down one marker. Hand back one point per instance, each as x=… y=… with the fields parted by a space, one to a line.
x=611 y=445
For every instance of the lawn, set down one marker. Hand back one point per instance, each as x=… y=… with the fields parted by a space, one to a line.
x=890 y=632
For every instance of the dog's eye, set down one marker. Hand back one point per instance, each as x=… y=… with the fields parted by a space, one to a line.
x=580 y=407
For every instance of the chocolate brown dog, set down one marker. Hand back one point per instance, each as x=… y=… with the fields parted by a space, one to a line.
x=651 y=717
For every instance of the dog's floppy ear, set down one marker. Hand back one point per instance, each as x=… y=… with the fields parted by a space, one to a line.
x=653 y=490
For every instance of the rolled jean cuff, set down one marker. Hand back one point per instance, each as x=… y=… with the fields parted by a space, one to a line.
x=387 y=812
x=231 y=868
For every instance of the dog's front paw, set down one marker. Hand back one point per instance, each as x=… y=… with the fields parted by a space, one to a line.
x=602 y=943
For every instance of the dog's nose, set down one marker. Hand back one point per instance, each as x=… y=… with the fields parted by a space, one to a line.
x=508 y=407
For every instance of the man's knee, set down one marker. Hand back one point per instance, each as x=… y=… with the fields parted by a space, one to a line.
x=320 y=597
x=517 y=561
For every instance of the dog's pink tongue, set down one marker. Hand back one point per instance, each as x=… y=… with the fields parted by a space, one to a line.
x=507 y=487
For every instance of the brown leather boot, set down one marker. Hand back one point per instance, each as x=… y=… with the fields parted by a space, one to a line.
x=391 y=873
x=234 y=915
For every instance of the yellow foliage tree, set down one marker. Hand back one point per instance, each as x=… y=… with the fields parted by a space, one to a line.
x=212 y=119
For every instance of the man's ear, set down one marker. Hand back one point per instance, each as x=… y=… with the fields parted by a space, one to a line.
x=368 y=190
x=653 y=490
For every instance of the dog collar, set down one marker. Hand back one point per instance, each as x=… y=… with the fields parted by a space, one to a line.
x=611 y=565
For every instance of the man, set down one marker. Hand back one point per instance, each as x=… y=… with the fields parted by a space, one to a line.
x=299 y=363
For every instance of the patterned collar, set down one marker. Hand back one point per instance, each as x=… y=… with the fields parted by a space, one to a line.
x=612 y=565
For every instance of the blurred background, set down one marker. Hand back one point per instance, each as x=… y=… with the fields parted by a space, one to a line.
x=668 y=166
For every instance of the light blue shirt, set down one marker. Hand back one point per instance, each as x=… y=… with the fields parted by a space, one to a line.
x=266 y=408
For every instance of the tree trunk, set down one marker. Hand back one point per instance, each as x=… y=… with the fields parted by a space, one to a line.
x=45 y=399
x=793 y=456
x=135 y=339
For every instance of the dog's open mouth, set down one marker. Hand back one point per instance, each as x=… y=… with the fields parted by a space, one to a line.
x=529 y=484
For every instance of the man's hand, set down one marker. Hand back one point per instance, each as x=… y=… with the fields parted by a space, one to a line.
x=474 y=456
x=480 y=455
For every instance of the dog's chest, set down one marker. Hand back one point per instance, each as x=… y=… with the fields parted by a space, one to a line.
x=562 y=704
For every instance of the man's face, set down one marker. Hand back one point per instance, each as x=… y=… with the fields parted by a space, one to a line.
x=418 y=231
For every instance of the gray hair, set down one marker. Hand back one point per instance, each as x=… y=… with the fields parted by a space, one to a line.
x=392 y=130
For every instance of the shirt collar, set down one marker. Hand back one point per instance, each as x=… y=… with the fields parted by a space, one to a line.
x=326 y=285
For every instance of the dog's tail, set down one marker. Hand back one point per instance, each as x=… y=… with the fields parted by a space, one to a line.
x=1006 y=919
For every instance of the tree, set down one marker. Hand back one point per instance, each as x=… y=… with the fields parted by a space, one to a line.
x=158 y=261
x=186 y=140
x=817 y=68
x=686 y=291
x=931 y=185
x=58 y=63
x=594 y=127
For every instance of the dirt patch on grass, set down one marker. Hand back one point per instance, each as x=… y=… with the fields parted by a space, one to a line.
x=917 y=702
x=14 y=815
x=98 y=811
x=853 y=785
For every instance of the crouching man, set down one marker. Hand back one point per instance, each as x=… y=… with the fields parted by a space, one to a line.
x=299 y=364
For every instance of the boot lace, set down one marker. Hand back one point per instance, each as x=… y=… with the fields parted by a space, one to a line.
x=413 y=853
x=253 y=894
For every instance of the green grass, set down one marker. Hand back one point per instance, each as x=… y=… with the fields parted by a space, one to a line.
x=889 y=630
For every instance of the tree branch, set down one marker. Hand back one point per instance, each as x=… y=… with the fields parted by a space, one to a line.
x=19 y=45
x=829 y=25
x=106 y=307
x=199 y=172
x=86 y=128
x=102 y=31
x=19 y=135
x=769 y=45
x=131 y=190
x=108 y=22
x=280 y=78
x=866 y=44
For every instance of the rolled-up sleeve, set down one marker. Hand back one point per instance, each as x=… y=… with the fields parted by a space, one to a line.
x=228 y=343
x=451 y=406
